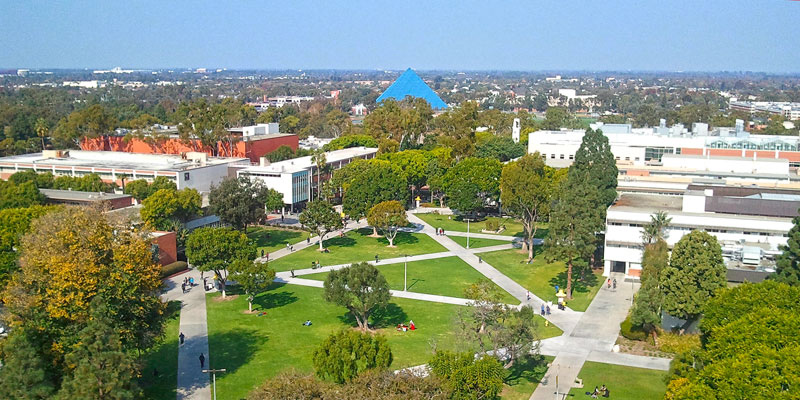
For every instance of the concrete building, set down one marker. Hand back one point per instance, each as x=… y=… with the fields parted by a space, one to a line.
x=787 y=109
x=74 y=197
x=645 y=146
x=252 y=142
x=190 y=170
x=750 y=224
x=296 y=178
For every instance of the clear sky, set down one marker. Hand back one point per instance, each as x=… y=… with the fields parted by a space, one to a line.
x=665 y=35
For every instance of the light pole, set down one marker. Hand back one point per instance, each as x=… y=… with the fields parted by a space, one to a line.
x=213 y=373
x=405 y=273
x=467 y=219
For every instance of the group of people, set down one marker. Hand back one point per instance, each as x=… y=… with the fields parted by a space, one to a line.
x=187 y=283
x=409 y=327
x=602 y=391
x=545 y=309
x=610 y=282
x=439 y=232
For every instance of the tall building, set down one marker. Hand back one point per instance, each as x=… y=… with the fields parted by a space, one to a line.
x=410 y=84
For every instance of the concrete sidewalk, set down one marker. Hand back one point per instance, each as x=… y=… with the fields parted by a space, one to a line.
x=388 y=261
x=192 y=383
x=314 y=241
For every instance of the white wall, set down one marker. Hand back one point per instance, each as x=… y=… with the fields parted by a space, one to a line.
x=202 y=178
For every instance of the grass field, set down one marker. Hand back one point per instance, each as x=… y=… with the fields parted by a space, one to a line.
x=475 y=243
x=541 y=277
x=270 y=239
x=523 y=378
x=164 y=357
x=454 y=223
x=442 y=276
x=357 y=246
x=624 y=383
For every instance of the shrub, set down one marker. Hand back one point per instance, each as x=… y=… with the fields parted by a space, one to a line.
x=631 y=332
x=492 y=225
x=174 y=268
x=677 y=344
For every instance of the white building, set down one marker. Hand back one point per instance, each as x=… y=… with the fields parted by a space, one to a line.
x=750 y=223
x=786 y=109
x=190 y=170
x=296 y=178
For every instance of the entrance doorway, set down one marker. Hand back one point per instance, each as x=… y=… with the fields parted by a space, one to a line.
x=618 y=266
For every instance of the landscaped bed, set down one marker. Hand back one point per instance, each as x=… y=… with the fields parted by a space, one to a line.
x=455 y=223
x=624 y=383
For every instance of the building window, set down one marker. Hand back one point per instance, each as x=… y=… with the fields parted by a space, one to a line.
x=572 y=156
x=553 y=156
x=186 y=176
x=561 y=157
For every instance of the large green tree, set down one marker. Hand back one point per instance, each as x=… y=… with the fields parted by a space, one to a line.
x=15 y=222
x=595 y=158
x=347 y=353
x=321 y=218
x=253 y=277
x=25 y=194
x=370 y=184
x=468 y=377
x=388 y=217
x=360 y=288
x=238 y=201
x=527 y=189
x=166 y=207
x=219 y=250
x=472 y=183
x=500 y=147
x=574 y=223
x=696 y=270
x=788 y=263
x=646 y=311
x=25 y=374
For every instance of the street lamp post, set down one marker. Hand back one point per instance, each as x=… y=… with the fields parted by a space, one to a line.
x=468 y=220
x=405 y=273
x=213 y=373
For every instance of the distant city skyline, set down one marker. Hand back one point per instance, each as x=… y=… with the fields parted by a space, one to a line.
x=626 y=35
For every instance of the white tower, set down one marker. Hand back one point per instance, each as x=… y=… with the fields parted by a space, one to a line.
x=515 y=131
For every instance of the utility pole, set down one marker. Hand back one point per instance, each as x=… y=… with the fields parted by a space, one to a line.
x=213 y=373
x=405 y=273
x=467 y=219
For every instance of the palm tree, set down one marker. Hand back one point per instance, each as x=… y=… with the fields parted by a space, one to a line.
x=42 y=129
x=319 y=160
x=656 y=230
x=123 y=177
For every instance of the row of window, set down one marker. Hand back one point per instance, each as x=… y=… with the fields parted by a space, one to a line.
x=709 y=230
x=746 y=144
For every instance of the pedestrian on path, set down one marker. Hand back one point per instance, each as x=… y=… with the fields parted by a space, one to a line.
x=181 y=336
x=308 y=239
x=528 y=295
x=542 y=312
x=608 y=283
x=614 y=283
x=202 y=361
x=376 y=258
x=547 y=309
x=183 y=287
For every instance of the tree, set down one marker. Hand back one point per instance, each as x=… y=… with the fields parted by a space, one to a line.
x=92 y=259
x=595 y=158
x=321 y=218
x=25 y=374
x=646 y=311
x=574 y=223
x=467 y=377
x=321 y=163
x=165 y=207
x=746 y=349
x=501 y=148
x=273 y=200
x=238 y=201
x=360 y=288
x=253 y=277
x=138 y=189
x=388 y=216
x=656 y=230
x=42 y=129
x=283 y=152
x=347 y=353
x=103 y=370
x=788 y=262
x=348 y=141
x=370 y=184
x=696 y=270
x=413 y=163
x=472 y=183
x=527 y=189
x=219 y=250
x=14 y=223
x=18 y=196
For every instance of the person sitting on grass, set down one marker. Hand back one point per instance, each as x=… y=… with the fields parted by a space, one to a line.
x=307 y=323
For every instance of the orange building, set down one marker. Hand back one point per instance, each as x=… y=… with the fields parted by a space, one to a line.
x=251 y=147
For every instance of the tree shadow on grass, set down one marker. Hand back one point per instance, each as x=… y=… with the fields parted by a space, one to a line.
x=384 y=317
x=530 y=369
x=578 y=285
x=402 y=238
x=235 y=348
x=339 y=242
x=273 y=237
x=164 y=357
x=272 y=299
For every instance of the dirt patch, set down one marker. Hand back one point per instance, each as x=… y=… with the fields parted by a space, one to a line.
x=230 y=297
x=640 y=348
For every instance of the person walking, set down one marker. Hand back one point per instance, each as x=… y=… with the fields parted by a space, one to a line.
x=614 y=283
x=308 y=239
x=542 y=312
x=608 y=283
x=202 y=361
x=183 y=287
x=528 y=295
x=547 y=310
x=181 y=337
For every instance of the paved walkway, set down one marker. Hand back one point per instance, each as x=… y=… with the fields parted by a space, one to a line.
x=396 y=260
x=192 y=383
x=314 y=241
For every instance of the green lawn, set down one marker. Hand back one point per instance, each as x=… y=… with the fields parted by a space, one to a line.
x=357 y=246
x=255 y=348
x=443 y=276
x=164 y=357
x=523 y=378
x=270 y=238
x=454 y=223
x=475 y=243
x=624 y=383
x=541 y=277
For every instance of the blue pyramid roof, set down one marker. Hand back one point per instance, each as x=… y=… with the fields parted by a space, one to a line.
x=410 y=84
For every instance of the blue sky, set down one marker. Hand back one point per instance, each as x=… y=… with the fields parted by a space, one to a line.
x=666 y=35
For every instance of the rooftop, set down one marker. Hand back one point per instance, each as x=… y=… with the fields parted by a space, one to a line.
x=75 y=195
x=304 y=163
x=118 y=160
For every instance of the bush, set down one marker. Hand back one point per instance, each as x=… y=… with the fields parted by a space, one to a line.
x=677 y=344
x=492 y=224
x=174 y=268
x=631 y=332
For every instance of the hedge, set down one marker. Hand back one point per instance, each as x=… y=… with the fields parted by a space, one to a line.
x=174 y=268
x=631 y=332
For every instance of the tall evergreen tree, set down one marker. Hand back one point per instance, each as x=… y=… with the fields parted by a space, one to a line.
x=646 y=312
x=595 y=157
x=24 y=374
x=696 y=270
x=574 y=223
x=788 y=262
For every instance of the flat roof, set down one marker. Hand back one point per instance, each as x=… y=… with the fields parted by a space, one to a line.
x=650 y=203
x=77 y=195
x=303 y=163
x=117 y=160
x=725 y=158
